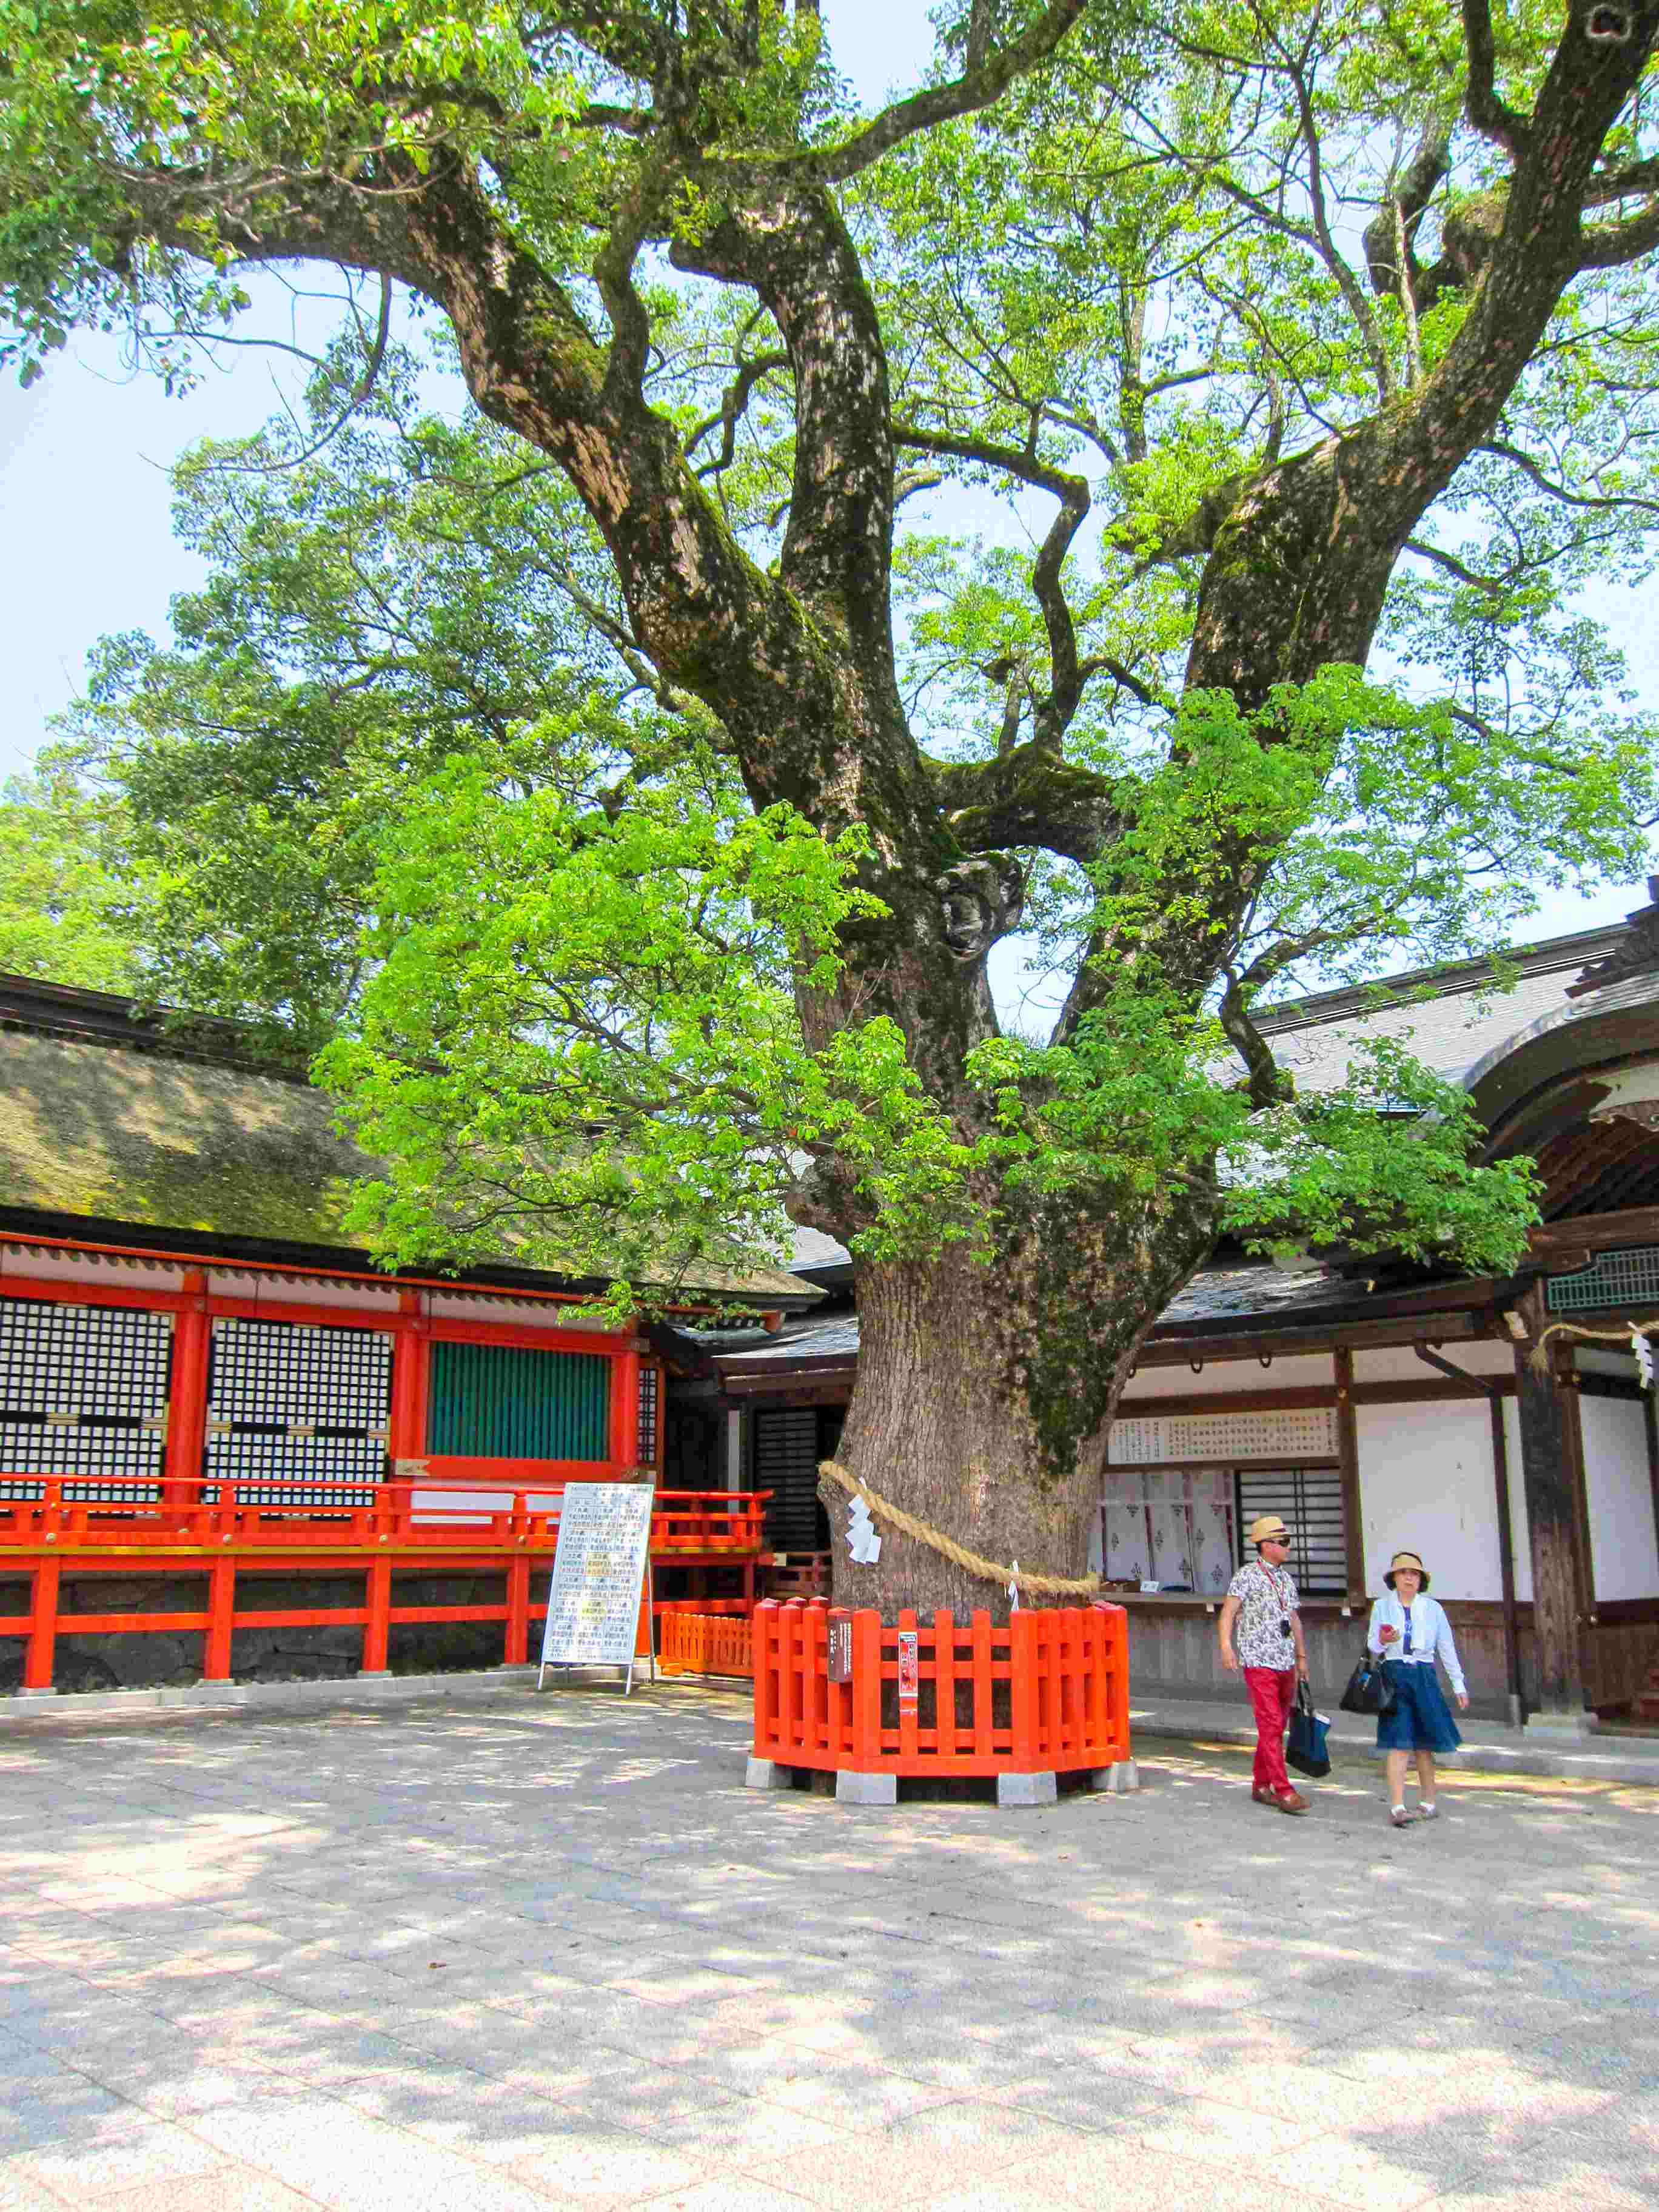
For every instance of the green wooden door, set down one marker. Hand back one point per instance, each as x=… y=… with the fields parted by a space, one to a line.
x=493 y=1402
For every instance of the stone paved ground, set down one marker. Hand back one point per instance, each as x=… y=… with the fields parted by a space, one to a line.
x=549 y=1951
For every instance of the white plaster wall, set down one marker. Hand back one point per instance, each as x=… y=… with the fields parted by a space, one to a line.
x=1602 y=1359
x=1623 y=1544
x=1223 y=1375
x=1426 y=1486
x=1399 y=1362
x=1520 y=1527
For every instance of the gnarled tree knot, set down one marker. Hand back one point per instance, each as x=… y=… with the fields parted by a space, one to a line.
x=981 y=900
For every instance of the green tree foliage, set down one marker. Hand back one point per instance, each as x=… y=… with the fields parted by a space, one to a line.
x=1284 y=333
x=61 y=901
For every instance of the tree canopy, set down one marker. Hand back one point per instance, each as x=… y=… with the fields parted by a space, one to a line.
x=60 y=900
x=1286 y=332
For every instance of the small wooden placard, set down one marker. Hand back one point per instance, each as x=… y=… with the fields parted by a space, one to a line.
x=910 y=1669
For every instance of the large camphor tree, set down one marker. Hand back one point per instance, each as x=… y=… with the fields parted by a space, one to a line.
x=1282 y=328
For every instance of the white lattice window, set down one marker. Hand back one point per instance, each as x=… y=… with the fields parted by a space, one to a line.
x=83 y=1393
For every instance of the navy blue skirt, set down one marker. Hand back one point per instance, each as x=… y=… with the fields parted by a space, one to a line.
x=1421 y=1719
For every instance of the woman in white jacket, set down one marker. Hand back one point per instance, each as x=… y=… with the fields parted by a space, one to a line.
x=1410 y=1631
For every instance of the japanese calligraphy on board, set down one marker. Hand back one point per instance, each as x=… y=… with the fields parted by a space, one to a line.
x=598 y=1575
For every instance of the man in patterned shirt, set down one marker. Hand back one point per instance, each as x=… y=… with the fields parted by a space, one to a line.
x=1261 y=1598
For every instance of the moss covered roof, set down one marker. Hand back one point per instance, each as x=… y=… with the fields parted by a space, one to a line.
x=143 y=1138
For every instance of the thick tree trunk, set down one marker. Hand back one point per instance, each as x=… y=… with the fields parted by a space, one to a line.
x=984 y=1395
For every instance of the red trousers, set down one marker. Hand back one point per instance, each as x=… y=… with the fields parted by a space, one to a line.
x=1272 y=1693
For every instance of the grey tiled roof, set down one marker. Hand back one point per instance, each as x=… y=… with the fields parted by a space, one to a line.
x=1232 y=1293
x=812 y=1249
x=1223 y=1293
x=813 y=1340
x=1450 y=1033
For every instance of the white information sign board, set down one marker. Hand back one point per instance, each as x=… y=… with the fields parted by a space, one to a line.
x=599 y=1570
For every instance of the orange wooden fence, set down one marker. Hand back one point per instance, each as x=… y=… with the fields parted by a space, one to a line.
x=705 y=1643
x=1050 y=1692
x=78 y=1527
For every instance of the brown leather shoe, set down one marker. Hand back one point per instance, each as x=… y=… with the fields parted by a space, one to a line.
x=1262 y=1797
x=1293 y=1802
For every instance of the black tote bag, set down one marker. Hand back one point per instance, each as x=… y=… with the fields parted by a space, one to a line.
x=1369 y=1690
x=1304 y=1745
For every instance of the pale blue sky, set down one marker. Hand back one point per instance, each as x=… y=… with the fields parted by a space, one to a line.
x=84 y=498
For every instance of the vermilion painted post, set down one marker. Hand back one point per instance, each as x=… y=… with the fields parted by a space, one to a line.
x=867 y=1691
x=518 y=1612
x=625 y=1409
x=909 y=1692
x=377 y=1628
x=1096 y=1652
x=945 y=1684
x=221 y=1610
x=763 y=1621
x=43 y=1626
x=1022 y=1686
x=1056 y=1657
x=1077 y=1677
x=825 y=1708
x=984 y=1746
x=791 y=1661
x=411 y=1371
x=193 y=1340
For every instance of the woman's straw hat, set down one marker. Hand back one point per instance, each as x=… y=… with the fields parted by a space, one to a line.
x=1406 y=1559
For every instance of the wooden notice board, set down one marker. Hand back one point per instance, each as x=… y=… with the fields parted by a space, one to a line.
x=600 y=1573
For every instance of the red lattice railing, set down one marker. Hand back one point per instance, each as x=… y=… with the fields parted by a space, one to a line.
x=54 y=1527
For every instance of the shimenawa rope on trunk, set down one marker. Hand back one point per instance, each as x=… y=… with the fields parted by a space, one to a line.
x=973 y=1563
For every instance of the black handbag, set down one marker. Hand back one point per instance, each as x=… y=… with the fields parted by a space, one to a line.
x=1369 y=1689
x=1304 y=1745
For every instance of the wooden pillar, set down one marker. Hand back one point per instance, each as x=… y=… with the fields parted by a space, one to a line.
x=1547 y=1462
x=625 y=1408
x=43 y=1628
x=1348 y=1454
x=192 y=1342
x=221 y=1610
x=411 y=1381
x=517 y=1650
x=377 y=1626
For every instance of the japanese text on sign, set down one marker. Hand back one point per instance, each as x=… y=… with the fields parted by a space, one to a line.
x=598 y=1571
